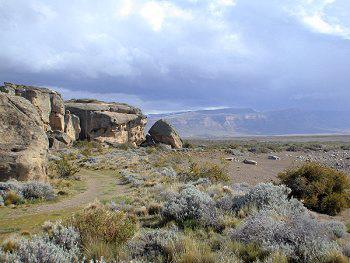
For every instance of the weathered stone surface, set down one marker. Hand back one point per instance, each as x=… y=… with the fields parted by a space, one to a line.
x=57 y=122
x=23 y=142
x=72 y=126
x=163 y=132
x=113 y=123
x=51 y=108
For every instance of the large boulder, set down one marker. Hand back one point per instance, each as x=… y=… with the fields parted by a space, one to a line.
x=113 y=123
x=51 y=108
x=23 y=142
x=163 y=132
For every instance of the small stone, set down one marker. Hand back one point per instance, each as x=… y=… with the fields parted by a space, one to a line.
x=252 y=162
x=273 y=157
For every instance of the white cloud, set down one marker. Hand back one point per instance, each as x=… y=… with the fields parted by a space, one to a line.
x=316 y=16
x=155 y=13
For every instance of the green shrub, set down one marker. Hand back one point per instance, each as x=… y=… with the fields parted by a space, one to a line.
x=65 y=168
x=249 y=252
x=12 y=198
x=214 y=172
x=87 y=147
x=100 y=223
x=187 y=145
x=321 y=188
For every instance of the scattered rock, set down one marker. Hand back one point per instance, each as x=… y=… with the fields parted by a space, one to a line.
x=273 y=157
x=163 y=132
x=230 y=159
x=252 y=162
x=164 y=147
x=234 y=152
x=23 y=142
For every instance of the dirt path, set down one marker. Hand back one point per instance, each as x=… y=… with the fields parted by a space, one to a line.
x=99 y=184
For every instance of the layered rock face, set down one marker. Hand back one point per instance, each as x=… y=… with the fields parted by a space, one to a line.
x=50 y=106
x=163 y=132
x=113 y=123
x=23 y=142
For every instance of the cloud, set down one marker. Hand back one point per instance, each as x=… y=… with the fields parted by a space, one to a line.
x=318 y=16
x=168 y=55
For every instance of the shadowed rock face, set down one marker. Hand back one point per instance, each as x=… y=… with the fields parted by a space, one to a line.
x=23 y=142
x=51 y=109
x=113 y=123
x=163 y=132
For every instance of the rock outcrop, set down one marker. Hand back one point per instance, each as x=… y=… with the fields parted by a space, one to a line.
x=163 y=132
x=113 y=123
x=23 y=142
x=51 y=108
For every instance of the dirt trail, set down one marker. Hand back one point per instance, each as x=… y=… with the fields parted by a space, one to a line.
x=97 y=183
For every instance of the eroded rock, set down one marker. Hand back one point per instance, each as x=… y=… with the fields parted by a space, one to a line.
x=23 y=142
x=163 y=132
x=113 y=123
x=51 y=109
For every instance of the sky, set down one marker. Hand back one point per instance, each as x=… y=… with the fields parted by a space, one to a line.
x=183 y=54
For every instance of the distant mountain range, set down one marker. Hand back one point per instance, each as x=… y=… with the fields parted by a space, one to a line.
x=231 y=122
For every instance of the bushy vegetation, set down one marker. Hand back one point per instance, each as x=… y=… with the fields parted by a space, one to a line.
x=134 y=179
x=87 y=148
x=263 y=196
x=190 y=205
x=321 y=188
x=103 y=231
x=211 y=171
x=66 y=168
x=57 y=244
x=14 y=192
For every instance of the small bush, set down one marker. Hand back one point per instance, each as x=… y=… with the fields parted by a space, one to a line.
x=88 y=147
x=262 y=196
x=195 y=251
x=38 y=190
x=251 y=252
x=134 y=179
x=336 y=228
x=346 y=250
x=187 y=145
x=322 y=189
x=298 y=236
x=154 y=245
x=12 y=198
x=60 y=244
x=65 y=168
x=213 y=172
x=190 y=204
x=100 y=223
x=16 y=193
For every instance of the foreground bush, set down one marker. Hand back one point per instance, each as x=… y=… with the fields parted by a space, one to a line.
x=102 y=231
x=322 y=189
x=298 y=236
x=190 y=205
x=263 y=196
x=153 y=245
x=13 y=192
x=57 y=244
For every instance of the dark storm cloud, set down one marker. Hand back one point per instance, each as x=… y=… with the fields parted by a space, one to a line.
x=175 y=55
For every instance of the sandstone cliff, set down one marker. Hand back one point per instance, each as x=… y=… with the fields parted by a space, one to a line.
x=113 y=123
x=50 y=106
x=23 y=142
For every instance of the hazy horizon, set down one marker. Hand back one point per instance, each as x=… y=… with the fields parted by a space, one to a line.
x=170 y=56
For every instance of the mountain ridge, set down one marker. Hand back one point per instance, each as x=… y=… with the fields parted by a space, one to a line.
x=231 y=122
